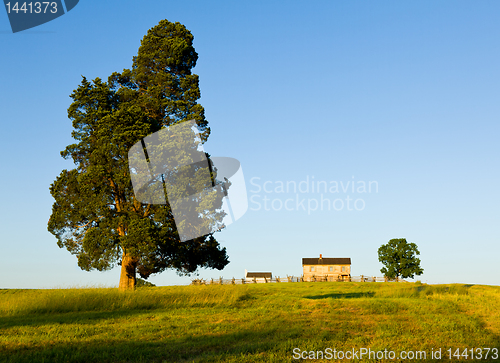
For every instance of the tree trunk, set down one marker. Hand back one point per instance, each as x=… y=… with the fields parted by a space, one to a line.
x=127 y=275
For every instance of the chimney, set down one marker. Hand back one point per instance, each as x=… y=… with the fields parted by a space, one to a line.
x=320 y=256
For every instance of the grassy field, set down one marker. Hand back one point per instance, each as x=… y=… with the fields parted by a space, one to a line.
x=247 y=323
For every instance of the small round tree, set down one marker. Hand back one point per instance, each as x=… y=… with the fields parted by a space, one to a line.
x=399 y=259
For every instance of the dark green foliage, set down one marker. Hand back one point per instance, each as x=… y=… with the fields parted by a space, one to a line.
x=95 y=214
x=399 y=258
x=143 y=283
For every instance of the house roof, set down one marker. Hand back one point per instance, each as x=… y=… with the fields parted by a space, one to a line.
x=326 y=261
x=267 y=275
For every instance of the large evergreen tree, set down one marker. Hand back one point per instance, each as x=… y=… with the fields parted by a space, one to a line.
x=96 y=215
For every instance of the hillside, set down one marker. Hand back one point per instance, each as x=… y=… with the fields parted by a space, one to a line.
x=247 y=323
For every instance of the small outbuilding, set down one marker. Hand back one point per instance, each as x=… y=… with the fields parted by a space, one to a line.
x=258 y=276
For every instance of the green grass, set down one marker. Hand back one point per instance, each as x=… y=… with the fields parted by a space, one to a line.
x=244 y=323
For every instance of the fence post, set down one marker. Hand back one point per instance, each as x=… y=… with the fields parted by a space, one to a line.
x=362 y=278
x=233 y=282
x=242 y=281
x=373 y=279
x=254 y=280
x=220 y=280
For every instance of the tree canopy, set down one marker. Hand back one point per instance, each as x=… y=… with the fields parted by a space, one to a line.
x=95 y=215
x=399 y=259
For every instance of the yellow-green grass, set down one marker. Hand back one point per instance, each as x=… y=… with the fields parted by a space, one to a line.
x=245 y=323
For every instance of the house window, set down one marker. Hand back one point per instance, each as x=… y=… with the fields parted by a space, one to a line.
x=312 y=268
x=331 y=268
x=343 y=268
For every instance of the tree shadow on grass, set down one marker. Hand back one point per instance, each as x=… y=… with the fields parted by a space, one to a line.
x=37 y=320
x=166 y=342
x=244 y=345
x=338 y=295
x=264 y=345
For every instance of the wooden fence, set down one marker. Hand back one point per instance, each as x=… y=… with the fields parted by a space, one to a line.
x=234 y=281
x=364 y=278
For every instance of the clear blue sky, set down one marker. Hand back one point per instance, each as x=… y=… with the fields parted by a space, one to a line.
x=405 y=94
